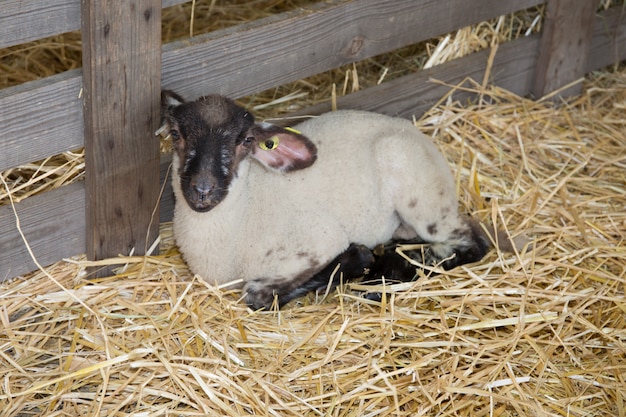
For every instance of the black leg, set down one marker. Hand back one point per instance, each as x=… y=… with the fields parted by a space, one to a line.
x=351 y=264
x=389 y=267
x=465 y=246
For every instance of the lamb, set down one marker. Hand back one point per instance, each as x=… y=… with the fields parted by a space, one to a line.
x=279 y=208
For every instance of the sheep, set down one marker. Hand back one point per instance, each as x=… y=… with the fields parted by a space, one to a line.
x=278 y=209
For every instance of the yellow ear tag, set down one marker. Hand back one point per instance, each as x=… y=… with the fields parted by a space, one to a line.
x=291 y=129
x=270 y=144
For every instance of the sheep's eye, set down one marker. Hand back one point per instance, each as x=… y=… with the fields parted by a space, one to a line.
x=248 y=141
x=269 y=144
x=174 y=134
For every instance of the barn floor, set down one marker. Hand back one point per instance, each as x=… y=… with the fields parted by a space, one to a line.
x=542 y=332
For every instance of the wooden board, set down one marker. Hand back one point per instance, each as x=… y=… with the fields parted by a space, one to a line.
x=565 y=42
x=41 y=118
x=608 y=42
x=53 y=224
x=29 y=20
x=256 y=56
x=122 y=89
x=166 y=203
x=414 y=94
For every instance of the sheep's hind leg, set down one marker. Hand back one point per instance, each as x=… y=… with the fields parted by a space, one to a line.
x=350 y=264
x=465 y=245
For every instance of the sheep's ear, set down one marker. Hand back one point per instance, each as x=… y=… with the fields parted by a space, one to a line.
x=169 y=100
x=282 y=149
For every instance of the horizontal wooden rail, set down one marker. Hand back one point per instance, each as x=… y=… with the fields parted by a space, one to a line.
x=53 y=224
x=41 y=118
x=122 y=103
x=414 y=94
x=269 y=52
x=24 y=21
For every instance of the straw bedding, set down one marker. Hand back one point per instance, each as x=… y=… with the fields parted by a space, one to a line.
x=541 y=332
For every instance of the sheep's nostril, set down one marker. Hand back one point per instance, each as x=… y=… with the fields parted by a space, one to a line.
x=202 y=188
x=203 y=191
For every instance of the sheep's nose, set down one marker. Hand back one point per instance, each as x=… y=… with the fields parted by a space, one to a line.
x=202 y=190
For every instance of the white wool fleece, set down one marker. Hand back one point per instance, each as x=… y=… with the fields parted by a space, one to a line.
x=373 y=173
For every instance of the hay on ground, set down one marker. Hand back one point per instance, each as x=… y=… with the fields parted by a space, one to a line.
x=539 y=333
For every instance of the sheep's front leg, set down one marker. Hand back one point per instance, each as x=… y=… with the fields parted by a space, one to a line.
x=350 y=264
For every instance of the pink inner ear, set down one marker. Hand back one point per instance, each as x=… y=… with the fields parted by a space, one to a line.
x=292 y=153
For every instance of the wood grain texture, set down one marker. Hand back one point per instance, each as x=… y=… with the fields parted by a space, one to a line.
x=280 y=49
x=166 y=204
x=608 y=42
x=565 y=42
x=29 y=20
x=40 y=118
x=53 y=224
x=121 y=56
x=414 y=94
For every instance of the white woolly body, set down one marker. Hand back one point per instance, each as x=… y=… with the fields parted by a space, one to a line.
x=372 y=174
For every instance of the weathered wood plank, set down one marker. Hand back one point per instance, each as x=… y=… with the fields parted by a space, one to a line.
x=608 y=43
x=28 y=20
x=168 y=3
x=565 y=42
x=40 y=118
x=280 y=49
x=53 y=224
x=414 y=94
x=122 y=85
x=166 y=203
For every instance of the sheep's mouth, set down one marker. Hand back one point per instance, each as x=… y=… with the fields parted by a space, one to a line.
x=202 y=201
x=201 y=205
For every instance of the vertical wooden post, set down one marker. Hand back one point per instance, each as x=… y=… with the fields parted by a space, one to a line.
x=122 y=81
x=565 y=42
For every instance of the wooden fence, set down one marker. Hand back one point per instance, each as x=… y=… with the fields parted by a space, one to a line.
x=111 y=106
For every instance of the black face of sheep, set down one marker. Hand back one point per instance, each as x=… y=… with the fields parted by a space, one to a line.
x=209 y=136
x=213 y=134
